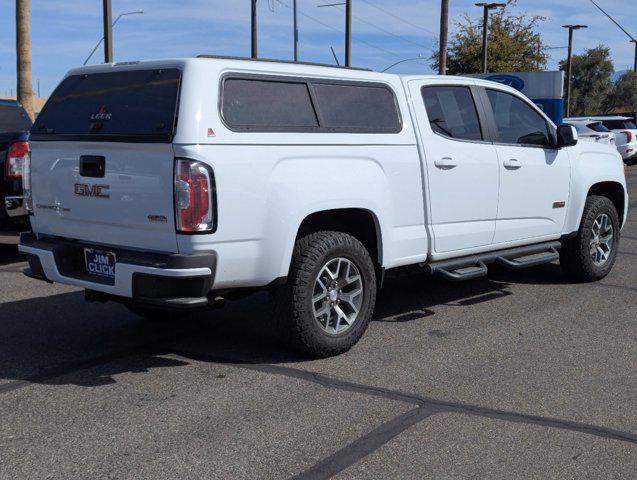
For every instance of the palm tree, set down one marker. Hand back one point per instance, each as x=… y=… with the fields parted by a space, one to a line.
x=23 y=53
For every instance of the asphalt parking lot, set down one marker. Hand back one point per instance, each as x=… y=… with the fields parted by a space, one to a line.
x=519 y=375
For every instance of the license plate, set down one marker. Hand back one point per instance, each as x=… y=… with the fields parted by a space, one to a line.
x=100 y=263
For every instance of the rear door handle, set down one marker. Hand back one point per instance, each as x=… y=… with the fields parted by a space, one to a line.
x=446 y=163
x=512 y=164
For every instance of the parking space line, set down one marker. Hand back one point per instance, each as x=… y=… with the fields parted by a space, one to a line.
x=364 y=446
x=383 y=434
x=619 y=287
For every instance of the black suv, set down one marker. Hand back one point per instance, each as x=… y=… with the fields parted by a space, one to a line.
x=14 y=149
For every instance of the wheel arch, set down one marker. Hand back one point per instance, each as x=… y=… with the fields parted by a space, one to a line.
x=360 y=223
x=614 y=191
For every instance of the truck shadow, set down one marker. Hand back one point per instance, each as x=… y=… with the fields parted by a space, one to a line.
x=61 y=340
x=9 y=254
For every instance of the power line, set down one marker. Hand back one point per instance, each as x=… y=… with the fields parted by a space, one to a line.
x=387 y=32
x=613 y=20
x=387 y=12
x=281 y=2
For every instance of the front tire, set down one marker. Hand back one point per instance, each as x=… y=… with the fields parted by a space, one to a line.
x=328 y=301
x=591 y=254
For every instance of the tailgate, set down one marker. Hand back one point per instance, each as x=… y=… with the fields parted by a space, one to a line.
x=102 y=161
x=131 y=205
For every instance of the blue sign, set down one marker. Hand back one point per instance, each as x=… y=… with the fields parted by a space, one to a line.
x=545 y=89
x=510 y=80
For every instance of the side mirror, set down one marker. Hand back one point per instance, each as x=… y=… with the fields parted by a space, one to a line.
x=566 y=136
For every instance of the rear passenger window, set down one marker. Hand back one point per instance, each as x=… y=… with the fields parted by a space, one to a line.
x=598 y=127
x=452 y=112
x=517 y=122
x=259 y=103
x=620 y=124
x=308 y=105
x=357 y=107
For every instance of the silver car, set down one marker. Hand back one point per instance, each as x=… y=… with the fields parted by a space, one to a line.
x=592 y=130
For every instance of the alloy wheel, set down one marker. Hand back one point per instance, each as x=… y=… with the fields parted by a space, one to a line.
x=601 y=243
x=338 y=296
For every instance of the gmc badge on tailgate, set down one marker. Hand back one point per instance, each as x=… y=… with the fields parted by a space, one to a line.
x=96 y=191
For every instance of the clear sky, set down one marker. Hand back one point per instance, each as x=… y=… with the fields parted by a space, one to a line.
x=385 y=31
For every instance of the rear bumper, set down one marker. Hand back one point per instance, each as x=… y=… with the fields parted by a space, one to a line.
x=171 y=281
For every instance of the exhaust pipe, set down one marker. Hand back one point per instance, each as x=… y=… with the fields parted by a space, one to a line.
x=216 y=302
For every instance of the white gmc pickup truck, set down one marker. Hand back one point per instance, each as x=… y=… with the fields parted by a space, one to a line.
x=168 y=185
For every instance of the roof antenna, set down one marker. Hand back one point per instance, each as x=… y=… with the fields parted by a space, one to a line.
x=335 y=57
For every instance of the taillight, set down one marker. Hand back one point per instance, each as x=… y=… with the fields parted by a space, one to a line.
x=194 y=197
x=26 y=184
x=16 y=158
x=629 y=136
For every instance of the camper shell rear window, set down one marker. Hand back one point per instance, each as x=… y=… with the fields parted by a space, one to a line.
x=257 y=103
x=124 y=106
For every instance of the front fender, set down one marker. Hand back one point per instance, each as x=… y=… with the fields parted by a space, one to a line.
x=592 y=164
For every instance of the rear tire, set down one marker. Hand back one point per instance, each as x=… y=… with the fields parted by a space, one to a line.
x=591 y=254
x=328 y=301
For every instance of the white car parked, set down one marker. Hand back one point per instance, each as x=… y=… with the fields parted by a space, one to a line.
x=625 y=131
x=170 y=184
x=592 y=130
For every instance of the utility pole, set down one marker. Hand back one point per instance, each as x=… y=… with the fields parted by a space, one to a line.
x=569 y=64
x=485 y=29
x=348 y=33
x=255 y=51
x=348 y=28
x=296 y=32
x=444 y=31
x=23 y=54
x=108 y=31
x=635 y=67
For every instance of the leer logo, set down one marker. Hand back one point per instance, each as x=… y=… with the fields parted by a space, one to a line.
x=95 y=191
x=101 y=115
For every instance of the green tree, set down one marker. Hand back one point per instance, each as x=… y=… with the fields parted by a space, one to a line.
x=623 y=96
x=591 y=84
x=514 y=44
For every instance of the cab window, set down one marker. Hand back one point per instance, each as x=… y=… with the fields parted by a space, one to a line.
x=517 y=122
x=452 y=112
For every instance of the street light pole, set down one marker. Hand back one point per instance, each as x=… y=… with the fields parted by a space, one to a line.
x=485 y=29
x=137 y=12
x=296 y=32
x=254 y=30
x=108 y=31
x=635 y=67
x=569 y=64
x=444 y=30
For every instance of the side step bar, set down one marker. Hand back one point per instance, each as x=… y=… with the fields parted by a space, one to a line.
x=531 y=260
x=475 y=266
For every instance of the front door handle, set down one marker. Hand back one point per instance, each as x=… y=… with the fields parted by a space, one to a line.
x=512 y=164
x=446 y=163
